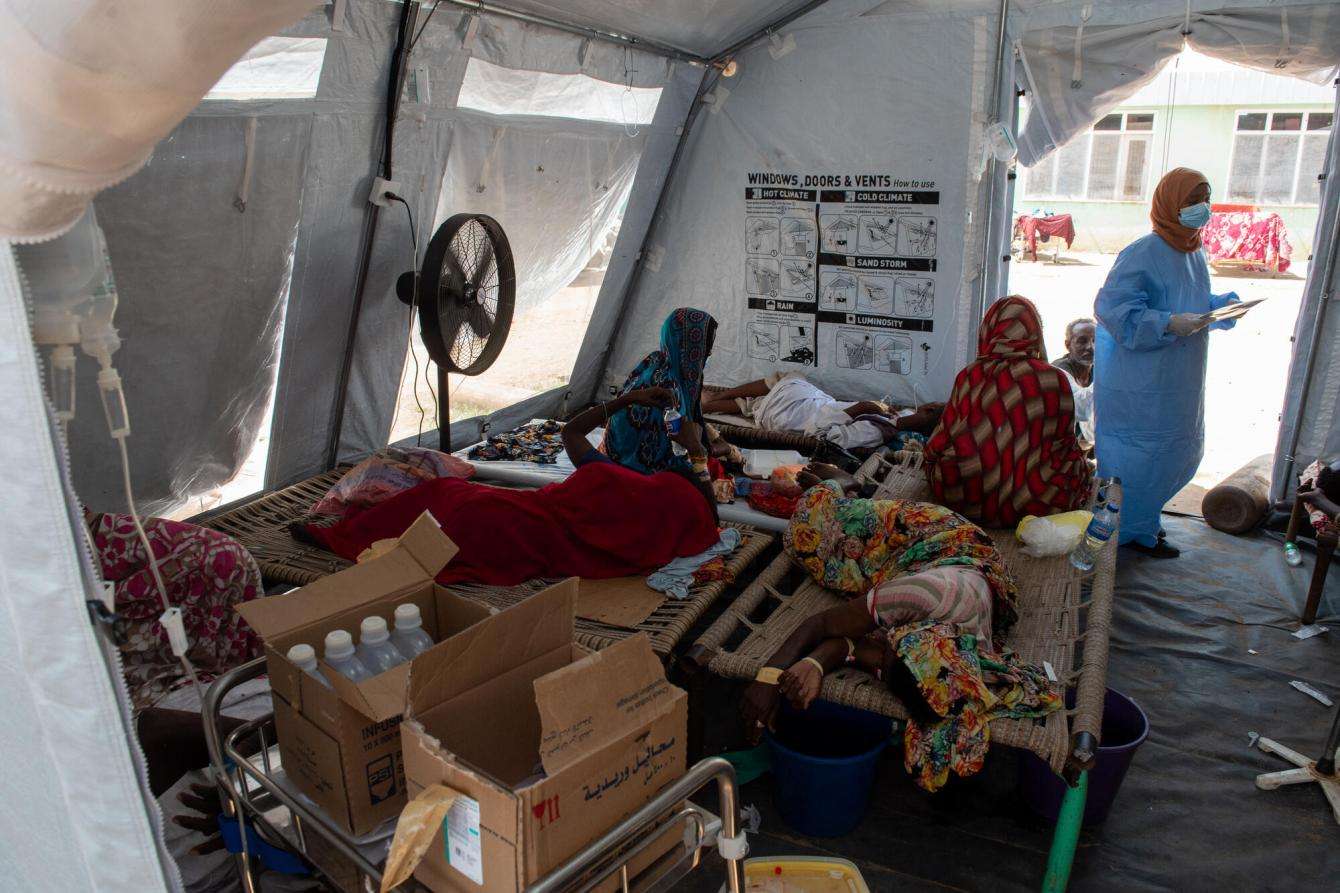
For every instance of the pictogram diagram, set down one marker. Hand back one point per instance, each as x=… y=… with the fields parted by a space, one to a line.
x=798 y=278
x=762 y=276
x=798 y=237
x=875 y=294
x=879 y=235
x=914 y=296
x=839 y=233
x=837 y=290
x=893 y=353
x=799 y=342
x=764 y=341
x=854 y=349
x=916 y=236
x=761 y=235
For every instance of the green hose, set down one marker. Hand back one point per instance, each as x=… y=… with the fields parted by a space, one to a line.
x=1066 y=838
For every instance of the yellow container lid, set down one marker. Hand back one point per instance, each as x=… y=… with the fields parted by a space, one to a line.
x=802 y=874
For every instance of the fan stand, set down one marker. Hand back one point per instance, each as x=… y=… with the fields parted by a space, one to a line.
x=1321 y=771
x=443 y=412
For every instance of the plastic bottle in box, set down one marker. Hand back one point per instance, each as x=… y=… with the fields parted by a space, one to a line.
x=340 y=655
x=304 y=656
x=409 y=638
x=374 y=646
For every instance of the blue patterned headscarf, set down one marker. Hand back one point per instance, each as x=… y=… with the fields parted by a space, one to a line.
x=636 y=436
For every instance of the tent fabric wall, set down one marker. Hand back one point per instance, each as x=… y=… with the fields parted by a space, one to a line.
x=1315 y=421
x=74 y=805
x=702 y=27
x=1079 y=65
x=182 y=252
x=784 y=115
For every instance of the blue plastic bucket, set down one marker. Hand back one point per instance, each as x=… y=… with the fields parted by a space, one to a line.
x=823 y=766
x=1125 y=728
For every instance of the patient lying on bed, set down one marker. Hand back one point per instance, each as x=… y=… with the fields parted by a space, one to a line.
x=934 y=593
x=603 y=521
x=789 y=402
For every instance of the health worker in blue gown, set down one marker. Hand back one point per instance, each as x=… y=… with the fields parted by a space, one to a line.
x=1149 y=367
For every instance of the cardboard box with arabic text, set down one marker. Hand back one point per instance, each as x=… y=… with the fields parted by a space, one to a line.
x=341 y=745
x=549 y=745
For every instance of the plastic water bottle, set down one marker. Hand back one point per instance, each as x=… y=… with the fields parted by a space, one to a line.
x=1096 y=536
x=374 y=646
x=340 y=655
x=673 y=422
x=409 y=638
x=1292 y=556
x=304 y=657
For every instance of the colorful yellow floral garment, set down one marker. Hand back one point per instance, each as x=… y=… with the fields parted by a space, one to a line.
x=853 y=545
x=967 y=688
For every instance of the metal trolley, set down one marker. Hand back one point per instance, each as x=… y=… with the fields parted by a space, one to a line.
x=245 y=766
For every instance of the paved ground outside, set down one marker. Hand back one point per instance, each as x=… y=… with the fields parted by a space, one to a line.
x=1244 y=384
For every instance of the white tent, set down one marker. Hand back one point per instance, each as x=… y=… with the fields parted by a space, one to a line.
x=252 y=270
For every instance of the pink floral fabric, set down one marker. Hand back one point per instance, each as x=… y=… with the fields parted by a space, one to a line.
x=1257 y=240
x=386 y=473
x=206 y=574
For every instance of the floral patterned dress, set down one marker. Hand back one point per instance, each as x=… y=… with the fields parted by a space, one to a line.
x=853 y=545
x=206 y=574
x=966 y=687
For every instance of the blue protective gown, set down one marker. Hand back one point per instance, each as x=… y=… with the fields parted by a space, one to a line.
x=1149 y=385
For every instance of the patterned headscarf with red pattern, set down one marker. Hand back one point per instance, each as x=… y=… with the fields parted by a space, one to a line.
x=1006 y=445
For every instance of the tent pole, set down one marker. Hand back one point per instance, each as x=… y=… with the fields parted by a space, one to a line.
x=1323 y=303
x=635 y=277
x=992 y=164
x=628 y=40
x=371 y=215
x=767 y=30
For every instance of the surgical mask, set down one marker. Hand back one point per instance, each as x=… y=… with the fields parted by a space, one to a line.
x=1195 y=216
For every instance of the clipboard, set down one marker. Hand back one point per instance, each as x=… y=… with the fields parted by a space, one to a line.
x=1230 y=311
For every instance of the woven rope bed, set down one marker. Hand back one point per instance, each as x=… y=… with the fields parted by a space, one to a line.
x=1065 y=619
x=752 y=438
x=667 y=625
x=262 y=527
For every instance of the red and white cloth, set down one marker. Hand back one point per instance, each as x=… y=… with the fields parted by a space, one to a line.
x=1030 y=228
x=1254 y=240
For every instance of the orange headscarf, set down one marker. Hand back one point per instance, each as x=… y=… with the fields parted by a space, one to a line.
x=1170 y=197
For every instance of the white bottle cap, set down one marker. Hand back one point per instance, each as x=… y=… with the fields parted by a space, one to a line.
x=339 y=644
x=302 y=655
x=373 y=631
x=407 y=616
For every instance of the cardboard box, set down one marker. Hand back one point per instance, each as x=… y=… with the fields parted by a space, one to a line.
x=341 y=745
x=512 y=695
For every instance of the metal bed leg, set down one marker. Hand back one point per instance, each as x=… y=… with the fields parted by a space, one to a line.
x=1066 y=838
x=698 y=775
x=209 y=716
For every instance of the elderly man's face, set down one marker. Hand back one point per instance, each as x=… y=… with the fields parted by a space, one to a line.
x=1080 y=342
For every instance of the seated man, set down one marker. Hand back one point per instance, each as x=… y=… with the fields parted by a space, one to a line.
x=789 y=402
x=1077 y=362
x=1078 y=358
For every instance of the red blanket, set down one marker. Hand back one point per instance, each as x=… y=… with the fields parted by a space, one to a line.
x=603 y=521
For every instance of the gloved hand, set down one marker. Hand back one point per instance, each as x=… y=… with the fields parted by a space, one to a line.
x=1184 y=324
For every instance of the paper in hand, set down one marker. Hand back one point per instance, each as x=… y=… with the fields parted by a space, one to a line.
x=1230 y=311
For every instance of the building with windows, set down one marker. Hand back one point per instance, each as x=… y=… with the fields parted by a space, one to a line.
x=1260 y=138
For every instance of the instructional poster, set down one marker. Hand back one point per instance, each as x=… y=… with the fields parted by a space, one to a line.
x=841 y=272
